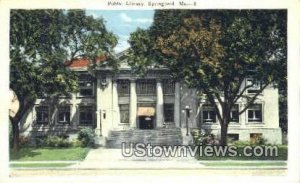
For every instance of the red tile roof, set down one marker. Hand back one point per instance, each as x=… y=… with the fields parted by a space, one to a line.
x=83 y=62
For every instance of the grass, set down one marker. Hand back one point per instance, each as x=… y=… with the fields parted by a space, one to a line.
x=34 y=165
x=282 y=155
x=245 y=163
x=49 y=154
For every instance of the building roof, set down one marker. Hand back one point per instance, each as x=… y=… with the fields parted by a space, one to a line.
x=84 y=62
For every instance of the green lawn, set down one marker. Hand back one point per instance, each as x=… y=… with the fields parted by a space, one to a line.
x=244 y=163
x=42 y=165
x=282 y=155
x=49 y=154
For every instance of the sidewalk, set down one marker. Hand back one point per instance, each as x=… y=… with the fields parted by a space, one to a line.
x=112 y=159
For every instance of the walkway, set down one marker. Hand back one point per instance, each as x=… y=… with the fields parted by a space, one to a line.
x=113 y=159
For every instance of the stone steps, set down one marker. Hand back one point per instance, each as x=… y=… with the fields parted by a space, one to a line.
x=164 y=136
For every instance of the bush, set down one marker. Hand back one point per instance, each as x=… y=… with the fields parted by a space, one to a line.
x=87 y=137
x=77 y=143
x=52 y=141
x=57 y=141
x=24 y=141
x=204 y=138
x=40 y=141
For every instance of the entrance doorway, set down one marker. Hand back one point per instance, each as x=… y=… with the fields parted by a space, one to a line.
x=146 y=122
x=146 y=116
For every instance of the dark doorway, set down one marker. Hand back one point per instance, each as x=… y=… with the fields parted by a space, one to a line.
x=146 y=122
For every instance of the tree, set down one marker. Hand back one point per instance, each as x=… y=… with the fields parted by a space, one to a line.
x=214 y=51
x=41 y=41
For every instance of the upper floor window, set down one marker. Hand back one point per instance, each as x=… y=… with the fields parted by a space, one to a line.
x=86 y=85
x=208 y=114
x=42 y=114
x=234 y=113
x=168 y=87
x=124 y=113
x=86 y=115
x=146 y=87
x=255 y=85
x=255 y=113
x=169 y=112
x=123 y=87
x=64 y=114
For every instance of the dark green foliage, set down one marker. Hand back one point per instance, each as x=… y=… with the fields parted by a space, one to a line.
x=52 y=141
x=41 y=41
x=214 y=51
x=87 y=137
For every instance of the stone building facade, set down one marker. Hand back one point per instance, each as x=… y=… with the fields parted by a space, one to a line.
x=113 y=101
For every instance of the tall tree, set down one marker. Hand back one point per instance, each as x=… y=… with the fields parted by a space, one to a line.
x=41 y=41
x=215 y=51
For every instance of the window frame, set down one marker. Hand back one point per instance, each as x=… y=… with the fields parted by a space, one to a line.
x=63 y=109
x=168 y=87
x=122 y=112
x=146 y=85
x=92 y=111
x=231 y=114
x=255 y=88
x=120 y=84
x=47 y=110
x=171 y=117
x=85 y=79
x=208 y=108
x=254 y=119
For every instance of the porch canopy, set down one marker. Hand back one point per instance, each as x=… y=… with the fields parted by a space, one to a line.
x=146 y=111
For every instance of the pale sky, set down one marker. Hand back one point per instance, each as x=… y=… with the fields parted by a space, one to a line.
x=123 y=22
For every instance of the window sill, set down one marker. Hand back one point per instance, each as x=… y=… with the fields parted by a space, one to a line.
x=255 y=123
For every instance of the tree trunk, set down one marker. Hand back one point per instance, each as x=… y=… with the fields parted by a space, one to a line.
x=224 y=128
x=16 y=132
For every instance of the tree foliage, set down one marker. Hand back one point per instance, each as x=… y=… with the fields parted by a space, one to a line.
x=41 y=41
x=215 y=51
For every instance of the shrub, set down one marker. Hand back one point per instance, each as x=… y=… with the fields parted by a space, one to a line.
x=240 y=143
x=52 y=141
x=87 y=137
x=204 y=138
x=40 y=141
x=77 y=143
x=57 y=141
x=24 y=141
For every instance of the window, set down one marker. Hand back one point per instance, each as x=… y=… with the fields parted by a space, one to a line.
x=256 y=86
x=234 y=113
x=64 y=114
x=168 y=87
x=42 y=115
x=169 y=113
x=86 y=86
x=86 y=115
x=208 y=114
x=123 y=87
x=124 y=113
x=146 y=87
x=255 y=113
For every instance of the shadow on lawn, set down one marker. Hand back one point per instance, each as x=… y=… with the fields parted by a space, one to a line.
x=22 y=153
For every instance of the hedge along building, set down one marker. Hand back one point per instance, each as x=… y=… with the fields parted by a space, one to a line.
x=123 y=107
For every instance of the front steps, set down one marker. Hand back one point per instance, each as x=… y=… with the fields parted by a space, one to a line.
x=163 y=136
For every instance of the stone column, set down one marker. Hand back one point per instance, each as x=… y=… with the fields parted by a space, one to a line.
x=115 y=102
x=133 y=104
x=98 y=108
x=177 y=105
x=159 y=104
